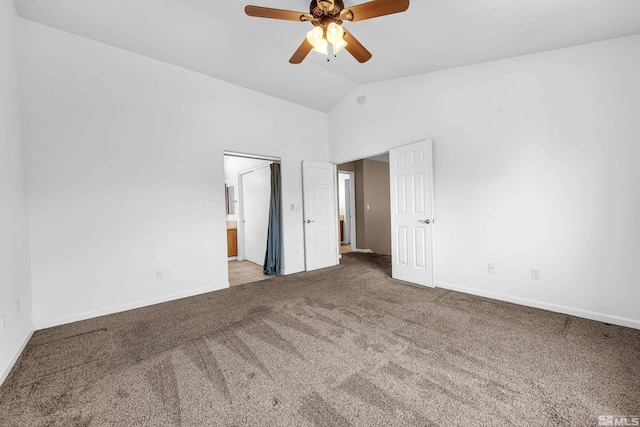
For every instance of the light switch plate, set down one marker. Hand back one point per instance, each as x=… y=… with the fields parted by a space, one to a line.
x=535 y=274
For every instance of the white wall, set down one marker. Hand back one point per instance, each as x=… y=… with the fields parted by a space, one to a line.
x=536 y=165
x=125 y=173
x=14 y=239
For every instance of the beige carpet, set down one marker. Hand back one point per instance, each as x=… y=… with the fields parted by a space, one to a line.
x=342 y=346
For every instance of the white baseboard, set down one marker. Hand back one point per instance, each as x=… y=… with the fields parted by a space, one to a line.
x=14 y=358
x=362 y=251
x=125 y=307
x=600 y=317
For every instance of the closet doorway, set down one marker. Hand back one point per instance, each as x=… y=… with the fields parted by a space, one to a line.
x=250 y=196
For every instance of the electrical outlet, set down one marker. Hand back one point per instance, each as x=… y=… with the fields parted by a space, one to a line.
x=159 y=275
x=535 y=274
x=18 y=307
x=2 y=323
x=492 y=267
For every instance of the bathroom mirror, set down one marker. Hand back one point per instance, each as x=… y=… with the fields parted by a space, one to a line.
x=230 y=199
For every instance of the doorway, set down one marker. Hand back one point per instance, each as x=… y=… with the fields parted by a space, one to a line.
x=249 y=194
x=394 y=209
x=346 y=211
x=364 y=194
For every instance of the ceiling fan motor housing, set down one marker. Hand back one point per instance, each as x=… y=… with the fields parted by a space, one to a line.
x=321 y=8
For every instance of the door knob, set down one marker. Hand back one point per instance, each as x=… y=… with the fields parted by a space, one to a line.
x=426 y=221
x=309 y=221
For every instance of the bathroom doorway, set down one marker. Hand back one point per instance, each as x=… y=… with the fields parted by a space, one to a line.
x=248 y=189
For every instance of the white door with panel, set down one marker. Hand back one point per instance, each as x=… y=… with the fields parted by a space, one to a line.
x=320 y=215
x=411 y=175
x=256 y=195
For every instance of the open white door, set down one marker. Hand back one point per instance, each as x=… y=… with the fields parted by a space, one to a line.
x=256 y=194
x=411 y=174
x=320 y=215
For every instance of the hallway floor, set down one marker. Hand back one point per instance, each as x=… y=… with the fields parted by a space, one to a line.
x=241 y=272
x=345 y=249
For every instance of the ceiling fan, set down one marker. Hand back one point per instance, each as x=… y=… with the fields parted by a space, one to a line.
x=327 y=17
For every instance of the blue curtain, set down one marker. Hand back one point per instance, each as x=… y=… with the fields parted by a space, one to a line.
x=273 y=257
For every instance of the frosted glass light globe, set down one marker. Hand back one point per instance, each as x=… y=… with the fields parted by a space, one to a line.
x=334 y=33
x=315 y=36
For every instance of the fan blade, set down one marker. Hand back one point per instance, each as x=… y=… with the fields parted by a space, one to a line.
x=374 y=9
x=267 y=12
x=301 y=53
x=356 y=49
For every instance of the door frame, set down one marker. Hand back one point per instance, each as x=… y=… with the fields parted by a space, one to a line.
x=240 y=208
x=354 y=247
x=352 y=205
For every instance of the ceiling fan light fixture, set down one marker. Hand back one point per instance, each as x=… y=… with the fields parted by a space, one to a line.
x=315 y=37
x=322 y=47
x=339 y=46
x=334 y=33
x=327 y=17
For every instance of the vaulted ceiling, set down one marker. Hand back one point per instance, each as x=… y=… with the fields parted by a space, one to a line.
x=216 y=38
